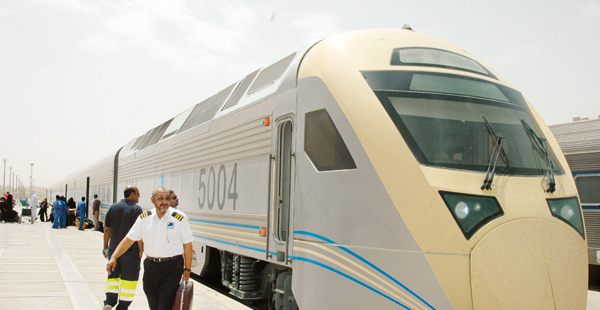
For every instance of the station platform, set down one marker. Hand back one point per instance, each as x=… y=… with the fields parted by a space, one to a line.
x=45 y=268
x=60 y=269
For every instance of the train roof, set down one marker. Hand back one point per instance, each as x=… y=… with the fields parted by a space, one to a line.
x=277 y=78
x=258 y=85
x=580 y=142
x=578 y=136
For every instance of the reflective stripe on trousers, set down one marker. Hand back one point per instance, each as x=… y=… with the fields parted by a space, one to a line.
x=125 y=289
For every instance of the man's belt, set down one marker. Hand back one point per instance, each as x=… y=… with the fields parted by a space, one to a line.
x=163 y=259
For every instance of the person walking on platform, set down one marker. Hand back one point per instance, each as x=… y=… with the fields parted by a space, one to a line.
x=44 y=210
x=65 y=211
x=34 y=203
x=122 y=279
x=81 y=212
x=58 y=211
x=167 y=235
x=96 y=211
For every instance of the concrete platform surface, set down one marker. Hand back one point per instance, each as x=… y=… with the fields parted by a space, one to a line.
x=43 y=268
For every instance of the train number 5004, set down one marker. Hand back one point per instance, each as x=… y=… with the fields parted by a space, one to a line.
x=215 y=188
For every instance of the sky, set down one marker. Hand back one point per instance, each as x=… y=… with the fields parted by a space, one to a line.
x=81 y=78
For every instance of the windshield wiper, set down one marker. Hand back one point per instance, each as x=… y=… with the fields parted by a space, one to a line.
x=489 y=176
x=540 y=143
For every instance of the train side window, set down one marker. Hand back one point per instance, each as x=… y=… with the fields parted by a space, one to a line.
x=270 y=74
x=324 y=145
x=195 y=115
x=588 y=187
x=216 y=104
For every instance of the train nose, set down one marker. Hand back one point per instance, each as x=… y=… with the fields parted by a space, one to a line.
x=530 y=264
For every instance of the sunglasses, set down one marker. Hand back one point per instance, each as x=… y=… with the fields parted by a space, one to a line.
x=161 y=198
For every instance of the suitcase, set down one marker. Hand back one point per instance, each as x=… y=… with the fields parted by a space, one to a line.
x=185 y=296
x=88 y=223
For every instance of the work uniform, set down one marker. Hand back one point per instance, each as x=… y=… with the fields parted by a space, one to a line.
x=121 y=283
x=163 y=245
x=60 y=218
x=81 y=212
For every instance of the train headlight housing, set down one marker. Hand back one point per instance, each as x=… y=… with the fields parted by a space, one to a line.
x=471 y=212
x=568 y=210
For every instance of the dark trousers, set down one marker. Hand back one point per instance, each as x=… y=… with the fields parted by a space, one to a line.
x=161 y=281
x=43 y=214
x=121 y=283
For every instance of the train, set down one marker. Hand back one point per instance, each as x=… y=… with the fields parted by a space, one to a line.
x=379 y=168
x=580 y=143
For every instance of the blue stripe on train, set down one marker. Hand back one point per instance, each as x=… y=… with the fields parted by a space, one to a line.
x=298 y=232
x=234 y=244
x=351 y=278
x=226 y=224
x=366 y=262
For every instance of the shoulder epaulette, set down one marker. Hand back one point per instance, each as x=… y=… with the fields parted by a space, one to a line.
x=143 y=215
x=177 y=216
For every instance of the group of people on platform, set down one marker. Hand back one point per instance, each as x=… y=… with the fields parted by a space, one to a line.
x=163 y=234
x=59 y=214
x=61 y=209
x=7 y=204
x=8 y=214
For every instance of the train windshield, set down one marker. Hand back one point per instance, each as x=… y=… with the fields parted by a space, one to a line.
x=454 y=121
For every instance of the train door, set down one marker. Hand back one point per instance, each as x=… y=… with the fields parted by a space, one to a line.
x=87 y=197
x=281 y=211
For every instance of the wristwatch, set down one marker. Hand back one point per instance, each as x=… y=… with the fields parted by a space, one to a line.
x=185 y=269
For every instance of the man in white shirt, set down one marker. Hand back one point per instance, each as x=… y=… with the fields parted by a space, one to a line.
x=166 y=234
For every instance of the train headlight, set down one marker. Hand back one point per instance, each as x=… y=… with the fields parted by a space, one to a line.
x=461 y=210
x=471 y=212
x=568 y=210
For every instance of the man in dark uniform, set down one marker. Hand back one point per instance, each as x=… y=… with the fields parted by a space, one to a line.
x=122 y=281
x=166 y=234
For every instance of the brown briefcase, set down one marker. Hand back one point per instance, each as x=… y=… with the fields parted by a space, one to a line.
x=185 y=296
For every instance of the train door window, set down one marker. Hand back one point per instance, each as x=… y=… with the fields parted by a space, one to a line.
x=284 y=170
x=323 y=143
x=588 y=187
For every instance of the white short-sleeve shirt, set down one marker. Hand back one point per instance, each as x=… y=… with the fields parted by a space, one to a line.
x=163 y=237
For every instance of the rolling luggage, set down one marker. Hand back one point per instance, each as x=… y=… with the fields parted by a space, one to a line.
x=185 y=296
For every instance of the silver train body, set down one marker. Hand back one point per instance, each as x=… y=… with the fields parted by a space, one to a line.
x=580 y=142
x=379 y=169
